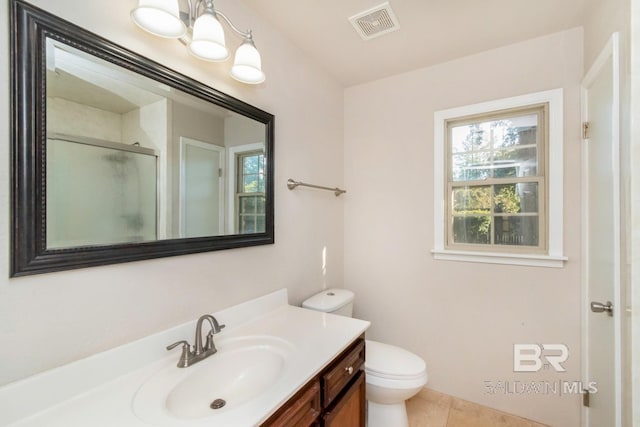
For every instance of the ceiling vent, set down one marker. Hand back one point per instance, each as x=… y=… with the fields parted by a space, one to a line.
x=375 y=22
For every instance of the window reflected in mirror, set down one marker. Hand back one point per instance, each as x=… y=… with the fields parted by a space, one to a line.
x=250 y=192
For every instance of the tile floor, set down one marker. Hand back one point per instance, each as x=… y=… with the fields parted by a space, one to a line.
x=430 y=408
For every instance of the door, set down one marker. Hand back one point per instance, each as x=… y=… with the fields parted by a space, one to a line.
x=601 y=241
x=201 y=188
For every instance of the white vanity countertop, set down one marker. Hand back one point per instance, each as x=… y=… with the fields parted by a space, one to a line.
x=99 y=391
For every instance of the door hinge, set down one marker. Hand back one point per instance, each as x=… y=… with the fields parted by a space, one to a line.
x=585 y=397
x=219 y=172
x=585 y=130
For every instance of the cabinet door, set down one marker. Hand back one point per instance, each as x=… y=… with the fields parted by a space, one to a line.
x=349 y=410
x=301 y=410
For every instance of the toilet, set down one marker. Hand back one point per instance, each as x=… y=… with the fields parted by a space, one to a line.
x=393 y=374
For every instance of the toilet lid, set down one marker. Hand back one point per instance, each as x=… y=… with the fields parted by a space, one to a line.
x=392 y=362
x=329 y=300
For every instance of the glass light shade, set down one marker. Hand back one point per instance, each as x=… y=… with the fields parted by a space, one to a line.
x=159 y=17
x=207 y=41
x=247 y=66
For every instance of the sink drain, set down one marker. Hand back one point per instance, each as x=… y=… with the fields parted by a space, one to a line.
x=217 y=404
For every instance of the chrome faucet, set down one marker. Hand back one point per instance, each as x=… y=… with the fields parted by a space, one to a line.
x=200 y=351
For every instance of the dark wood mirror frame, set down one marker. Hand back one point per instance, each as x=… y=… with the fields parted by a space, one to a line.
x=30 y=27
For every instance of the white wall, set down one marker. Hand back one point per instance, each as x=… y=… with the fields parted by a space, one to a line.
x=147 y=126
x=71 y=118
x=150 y=126
x=52 y=319
x=240 y=131
x=462 y=318
x=601 y=19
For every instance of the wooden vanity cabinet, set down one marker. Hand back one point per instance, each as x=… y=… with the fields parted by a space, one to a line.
x=348 y=411
x=303 y=409
x=334 y=398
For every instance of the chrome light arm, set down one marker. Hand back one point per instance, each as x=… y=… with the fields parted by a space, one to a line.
x=194 y=8
x=244 y=34
x=192 y=13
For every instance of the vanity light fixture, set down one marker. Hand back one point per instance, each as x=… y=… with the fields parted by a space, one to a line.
x=202 y=33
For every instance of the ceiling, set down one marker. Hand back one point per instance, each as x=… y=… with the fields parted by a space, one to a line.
x=431 y=31
x=79 y=77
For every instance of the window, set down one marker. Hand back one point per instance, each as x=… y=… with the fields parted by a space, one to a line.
x=250 y=196
x=496 y=181
x=498 y=175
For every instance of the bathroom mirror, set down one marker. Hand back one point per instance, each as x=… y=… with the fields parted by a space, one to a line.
x=116 y=158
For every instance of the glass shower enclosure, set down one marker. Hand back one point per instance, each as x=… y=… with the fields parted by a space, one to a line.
x=100 y=192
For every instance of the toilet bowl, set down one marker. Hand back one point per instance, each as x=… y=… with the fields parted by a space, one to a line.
x=393 y=374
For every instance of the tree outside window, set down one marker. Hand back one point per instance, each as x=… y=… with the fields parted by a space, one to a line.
x=496 y=181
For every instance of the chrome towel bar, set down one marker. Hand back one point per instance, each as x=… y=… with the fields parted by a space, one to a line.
x=291 y=184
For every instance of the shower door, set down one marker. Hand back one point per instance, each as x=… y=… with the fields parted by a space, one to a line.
x=99 y=192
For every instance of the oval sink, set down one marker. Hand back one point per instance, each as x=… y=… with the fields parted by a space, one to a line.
x=242 y=369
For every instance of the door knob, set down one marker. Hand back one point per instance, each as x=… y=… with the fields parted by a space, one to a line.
x=598 y=307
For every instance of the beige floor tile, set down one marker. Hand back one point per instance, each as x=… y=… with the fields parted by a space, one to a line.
x=435 y=396
x=468 y=414
x=428 y=409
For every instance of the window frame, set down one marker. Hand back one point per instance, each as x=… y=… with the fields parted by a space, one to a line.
x=239 y=178
x=551 y=253
x=232 y=152
x=542 y=138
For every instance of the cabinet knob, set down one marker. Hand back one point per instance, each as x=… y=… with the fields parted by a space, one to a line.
x=349 y=369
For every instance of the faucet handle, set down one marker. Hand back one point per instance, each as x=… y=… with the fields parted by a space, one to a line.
x=185 y=357
x=177 y=343
x=209 y=345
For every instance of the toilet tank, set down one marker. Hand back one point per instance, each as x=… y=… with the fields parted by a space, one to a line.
x=336 y=301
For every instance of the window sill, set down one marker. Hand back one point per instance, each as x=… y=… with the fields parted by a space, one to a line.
x=531 y=260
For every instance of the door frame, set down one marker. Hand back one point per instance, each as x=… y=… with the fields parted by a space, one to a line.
x=184 y=142
x=610 y=51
